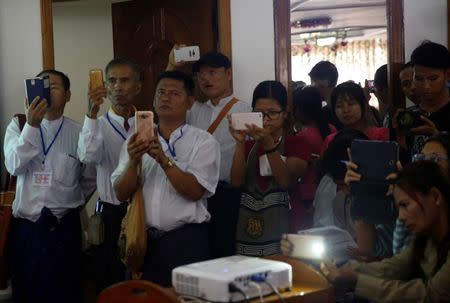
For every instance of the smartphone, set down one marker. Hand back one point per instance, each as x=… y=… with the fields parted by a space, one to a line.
x=239 y=120
x=38 y=86
x=187 y=53
x=96 y=78
x=307 y=246
x=371 y=86
x=144 y=124
x=375 y=160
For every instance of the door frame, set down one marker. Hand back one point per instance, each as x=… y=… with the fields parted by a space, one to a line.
x=395 y=38
x=48 y=51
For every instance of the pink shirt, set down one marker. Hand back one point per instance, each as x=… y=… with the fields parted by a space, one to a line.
x=373 y=133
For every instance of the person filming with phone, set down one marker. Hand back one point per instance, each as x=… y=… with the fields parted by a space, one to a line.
x=100 y=142
x=178 y=170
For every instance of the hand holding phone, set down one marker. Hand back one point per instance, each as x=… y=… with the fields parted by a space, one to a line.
x=144 y=125
x=38 y=87
x=371 y=86
x=240 y=120
x=97 y=92
x=187 y=53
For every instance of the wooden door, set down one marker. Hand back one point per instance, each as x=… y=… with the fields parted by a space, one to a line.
x=145 y=31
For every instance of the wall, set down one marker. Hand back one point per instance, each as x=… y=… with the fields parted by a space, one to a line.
x=424 y=20
x=83 y=41
x=252 y=36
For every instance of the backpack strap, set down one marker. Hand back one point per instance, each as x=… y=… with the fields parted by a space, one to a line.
x=222 y=115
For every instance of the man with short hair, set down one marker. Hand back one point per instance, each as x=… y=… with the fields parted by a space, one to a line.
x=214 y=75
x=100 y=142
x=180 y=170
x=52 y=185
x=431 y=65
x=406 y=77
x=324 y=76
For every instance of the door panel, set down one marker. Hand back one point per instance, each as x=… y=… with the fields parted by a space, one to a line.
x=145 y=31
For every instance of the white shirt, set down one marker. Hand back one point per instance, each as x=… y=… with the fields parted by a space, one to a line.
x=202 y=115
x=100 y=144
x=197 y=153
x=72 y=182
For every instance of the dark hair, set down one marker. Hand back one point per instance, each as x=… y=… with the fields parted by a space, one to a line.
x=325 y=70
x=337 y=151
x=421 y=177
x=443 y=138
x=212 y=59
x=136 y=68
x=406 y=66
x=272 y=90
x=431 y=54
x=64 y=78
x=308 y=103
x=180 y=76
x=381 y=77
x=351 y=90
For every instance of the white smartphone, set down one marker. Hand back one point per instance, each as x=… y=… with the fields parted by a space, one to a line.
x=307 y=246
x=239 y=120
x=187 y=53
x=144 y=124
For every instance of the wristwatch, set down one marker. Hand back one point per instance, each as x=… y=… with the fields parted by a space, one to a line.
x=168 y=164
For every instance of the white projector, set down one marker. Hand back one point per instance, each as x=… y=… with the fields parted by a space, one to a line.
x=217 y=280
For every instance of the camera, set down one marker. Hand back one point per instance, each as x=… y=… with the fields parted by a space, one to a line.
x=410 y=119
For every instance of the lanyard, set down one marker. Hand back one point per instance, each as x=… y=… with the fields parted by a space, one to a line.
x=172 y=148
x=46 y=150
x=115 y=128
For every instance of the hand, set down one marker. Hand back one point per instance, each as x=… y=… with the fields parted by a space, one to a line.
x=155 y=151
x=401 y=135
x=238 y=135
x=286 y=246
x=96 y=97
x=429 y=128
x=343 y=278
x=351 y=175
x=261 y=135
x=36 y=111
x=171 y=65
x=137 y=148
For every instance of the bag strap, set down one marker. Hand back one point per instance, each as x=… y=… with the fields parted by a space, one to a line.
x=12 y=180
x=221 y=115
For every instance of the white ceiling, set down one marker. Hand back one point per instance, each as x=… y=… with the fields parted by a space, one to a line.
x=359 y=19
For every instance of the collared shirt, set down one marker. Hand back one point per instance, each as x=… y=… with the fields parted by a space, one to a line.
x=193 y=151
x=72 y=182
x=100 y=143
x=202 y=115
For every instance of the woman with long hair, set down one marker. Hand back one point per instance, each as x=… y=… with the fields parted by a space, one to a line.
x=265 y=167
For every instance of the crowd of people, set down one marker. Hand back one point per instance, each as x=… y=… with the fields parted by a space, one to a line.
x=211 y=190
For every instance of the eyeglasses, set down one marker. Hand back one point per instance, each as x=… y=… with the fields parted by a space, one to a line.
x=271 y=115
x=429 y=157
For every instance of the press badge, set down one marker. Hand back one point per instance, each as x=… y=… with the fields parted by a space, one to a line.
x=42 y=179
x=264 y=166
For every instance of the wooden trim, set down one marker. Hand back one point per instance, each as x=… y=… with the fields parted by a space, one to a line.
x=224 y=24
x=282 y=24
x=396 y=50
x=48 y=56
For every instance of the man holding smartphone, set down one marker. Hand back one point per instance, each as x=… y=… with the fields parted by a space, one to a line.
x=214 y=77
x=178 y=170
x=100 y=142
x=52 y=186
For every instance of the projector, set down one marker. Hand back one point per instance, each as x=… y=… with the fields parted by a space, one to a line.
x=218 y=280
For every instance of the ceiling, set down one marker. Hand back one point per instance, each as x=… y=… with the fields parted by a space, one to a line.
x=348 y=19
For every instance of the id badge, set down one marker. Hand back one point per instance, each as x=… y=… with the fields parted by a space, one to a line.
x=42 y=179
x=264 y=166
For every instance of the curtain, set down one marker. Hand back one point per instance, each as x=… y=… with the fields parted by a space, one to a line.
x=357 y=60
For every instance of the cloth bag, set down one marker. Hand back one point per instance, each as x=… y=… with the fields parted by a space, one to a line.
x=133 y=235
